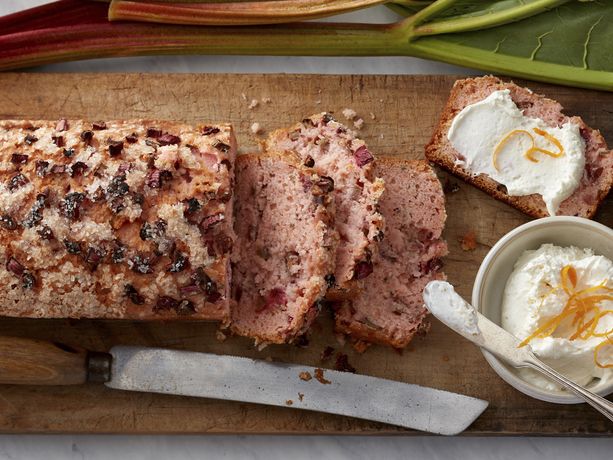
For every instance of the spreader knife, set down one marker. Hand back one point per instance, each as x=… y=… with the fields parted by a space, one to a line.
x=157 y=370
x=507 y=347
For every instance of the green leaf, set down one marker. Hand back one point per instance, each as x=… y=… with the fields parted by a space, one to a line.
x=570 y=42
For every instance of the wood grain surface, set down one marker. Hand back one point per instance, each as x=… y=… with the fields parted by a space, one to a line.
x=406 y=109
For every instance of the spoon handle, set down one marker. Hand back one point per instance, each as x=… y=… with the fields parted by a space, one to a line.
x=600 y=404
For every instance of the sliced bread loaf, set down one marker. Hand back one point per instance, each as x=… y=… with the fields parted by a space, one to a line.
x=334 y=151
x=597 y=178
x=284 y=223
x=390 y=310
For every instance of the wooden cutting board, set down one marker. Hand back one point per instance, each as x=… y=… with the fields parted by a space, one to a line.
x=400 y=113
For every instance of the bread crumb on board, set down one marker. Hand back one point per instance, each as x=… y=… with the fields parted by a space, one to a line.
x=300 y=396
x=360 y=346
x=326 y=354
x=219 y=335
x=266 y=100
x=289 y=402
x=357 y=124
x=349 y=114
x=256 y=128
x=468 y=241
x=253 y=104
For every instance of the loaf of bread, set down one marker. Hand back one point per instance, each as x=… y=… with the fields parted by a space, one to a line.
x=115 y=219
x=390 y=309
x=597 y=178
x=285 y=248
x=144 y=220
x=334 y=151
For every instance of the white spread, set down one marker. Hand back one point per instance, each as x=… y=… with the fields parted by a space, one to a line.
x=444 y=303
x=533 y=296
x=478 y=130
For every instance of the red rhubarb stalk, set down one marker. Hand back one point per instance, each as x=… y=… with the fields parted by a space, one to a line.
x=62 y=13
x=232 y=13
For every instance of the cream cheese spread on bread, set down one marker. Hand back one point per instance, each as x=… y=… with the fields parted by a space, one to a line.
x=540 y=292
x=444 y=303
x=524 y=154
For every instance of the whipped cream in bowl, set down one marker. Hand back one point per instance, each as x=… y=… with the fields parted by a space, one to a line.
x=548 y=282
x=525 y=154
x=562 y=292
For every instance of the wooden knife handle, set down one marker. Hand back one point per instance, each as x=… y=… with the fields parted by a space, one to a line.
x=37 y=362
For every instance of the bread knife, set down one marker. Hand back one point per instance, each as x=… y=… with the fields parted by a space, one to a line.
x=186 y=373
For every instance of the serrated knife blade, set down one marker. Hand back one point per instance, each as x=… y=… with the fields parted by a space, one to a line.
x=156 y=370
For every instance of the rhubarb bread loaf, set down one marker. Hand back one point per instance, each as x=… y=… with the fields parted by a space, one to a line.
x=390 y=310
x=115 y=219
x=593 y=175
x=284 y=223
x=334 y=151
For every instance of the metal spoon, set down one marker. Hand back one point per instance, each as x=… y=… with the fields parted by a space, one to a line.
x=501 y=343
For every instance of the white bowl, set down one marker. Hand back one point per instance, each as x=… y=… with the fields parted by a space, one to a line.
x=498 y=265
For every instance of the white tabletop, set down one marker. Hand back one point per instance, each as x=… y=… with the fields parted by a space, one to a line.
x=34 y=447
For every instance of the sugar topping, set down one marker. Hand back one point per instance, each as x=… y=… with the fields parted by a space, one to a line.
x=74 y=197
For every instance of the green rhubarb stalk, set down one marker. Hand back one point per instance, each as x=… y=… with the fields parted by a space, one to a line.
x=232 y=13
x=562 y=43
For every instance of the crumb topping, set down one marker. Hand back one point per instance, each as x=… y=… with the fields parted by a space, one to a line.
x=75 y=197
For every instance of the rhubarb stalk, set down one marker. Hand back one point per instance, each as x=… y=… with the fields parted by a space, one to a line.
x=232 y=13
x=549 y=40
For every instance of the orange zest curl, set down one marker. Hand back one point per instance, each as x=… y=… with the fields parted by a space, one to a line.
x=528 y=154
x=582 y=310
x=604 y=343
x=552 y=140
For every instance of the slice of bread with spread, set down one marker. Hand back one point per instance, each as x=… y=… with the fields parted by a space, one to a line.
x=594 y=184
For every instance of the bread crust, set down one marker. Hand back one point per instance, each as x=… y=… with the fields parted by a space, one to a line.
x=464 y=92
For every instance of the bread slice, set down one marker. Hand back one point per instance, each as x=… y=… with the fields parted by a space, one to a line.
x=334 y=151
x=285 y=247
x=390 y=309
x=598 y=175
x=115 y=219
